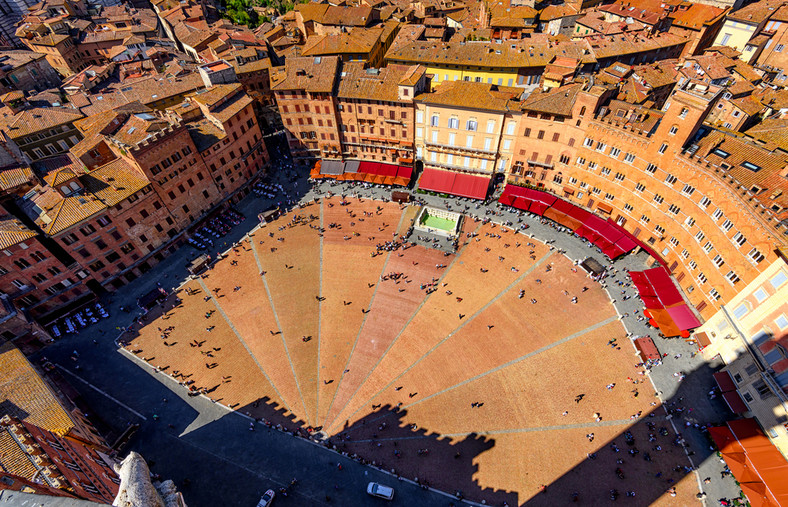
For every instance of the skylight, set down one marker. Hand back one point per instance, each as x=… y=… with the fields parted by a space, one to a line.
x=752 y=167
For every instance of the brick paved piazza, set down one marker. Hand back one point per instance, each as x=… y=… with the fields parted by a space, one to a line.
x=311 y=329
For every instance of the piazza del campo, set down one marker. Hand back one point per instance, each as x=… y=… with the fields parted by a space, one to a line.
x=404 y=252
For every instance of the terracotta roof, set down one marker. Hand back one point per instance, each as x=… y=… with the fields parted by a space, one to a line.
x=356 y=82
x=38 y=119
x=596 y=21
x=19 y=58
x=469 y=94
x=346 y=16
x=12 y=232
x=776 y=99
x=59 y=177
x=557 y=100
x=499 y=10
x=512 y=55
x=697 y=16
x=146 y=90
x=741 y=88
x=105 y=187
x=724 y=50
x=407 y=34
x=627 y=43
x=748 y=104
x=358 y=40
x=636 y=116
x=52 y=39
x=552 y=11
x=59 y=168
x=646 y=14
x=14 y=177
x=28 y=395
x=771 y=130
x=205 y=134
x=13 y=459
x=66 y=212
x=106 y=35
x=311 y=11
x=757 y=12
x=655 y=75
x=114 y=182
x=737 y=152
x=223 y=101
x=309 y=74
x=781 y=14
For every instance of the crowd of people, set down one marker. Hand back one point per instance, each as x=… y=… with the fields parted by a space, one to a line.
x=616 y=281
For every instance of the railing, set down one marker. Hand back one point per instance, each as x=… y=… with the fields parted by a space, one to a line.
x=458 y=167
x=445 y=147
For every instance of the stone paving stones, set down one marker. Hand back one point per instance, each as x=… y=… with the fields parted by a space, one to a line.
x=385 y=347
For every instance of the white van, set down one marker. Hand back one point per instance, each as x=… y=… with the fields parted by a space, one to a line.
x=380 y=491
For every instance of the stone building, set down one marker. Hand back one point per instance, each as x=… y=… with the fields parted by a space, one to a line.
x=375 y=110
x=60 y=50
x=687 y=191
x=750 y=334
x=26 y=71
x=43 y=132
x=467 y=127
x=304 y=92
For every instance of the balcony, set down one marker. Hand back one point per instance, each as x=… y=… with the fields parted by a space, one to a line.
x=453 y=167
x=463 y=149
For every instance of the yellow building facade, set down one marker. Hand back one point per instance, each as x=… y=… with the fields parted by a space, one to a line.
x=467 y=126
x=750 y=334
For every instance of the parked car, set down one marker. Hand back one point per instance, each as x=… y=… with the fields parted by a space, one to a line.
x=380 y=491
x=267 y=498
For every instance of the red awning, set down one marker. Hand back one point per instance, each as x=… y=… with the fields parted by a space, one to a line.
x=651 y=302
x=404 y=171
x=725 y=381
x=436 y=180
x=734 y=402
x=758 y=466
x=367 y=167
x=609 y=237
x=683 y=317
x=665 y=323
x=470 y=185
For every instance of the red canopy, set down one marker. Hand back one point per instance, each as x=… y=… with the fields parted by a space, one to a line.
x=683 y=317
x=470 y=185
x=734 y=402
x=455 y=183
x=404 y=171
x=612 y=239
x=757 y=465
x=436 y=180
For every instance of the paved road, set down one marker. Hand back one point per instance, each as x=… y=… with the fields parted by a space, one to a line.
x=228 y=464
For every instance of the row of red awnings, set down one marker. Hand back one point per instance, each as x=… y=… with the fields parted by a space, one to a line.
x=449 y=182
x=759 y=467
x=729 y=392
x=610 y=237
x=369 y=172
x=665 y=307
